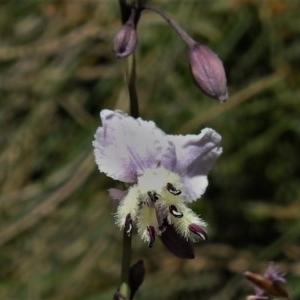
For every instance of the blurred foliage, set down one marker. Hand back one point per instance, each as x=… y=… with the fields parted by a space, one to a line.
x=57 y=71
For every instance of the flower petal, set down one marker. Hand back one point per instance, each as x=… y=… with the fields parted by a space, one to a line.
x=196 y=155
x=124 y=147
x=177 y=244
x=194 y=187
x=117 y=194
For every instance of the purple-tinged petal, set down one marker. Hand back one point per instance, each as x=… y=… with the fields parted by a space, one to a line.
x=176 y=243
x=194 y=187
x=124 y=147
x=196 y=155
x=265 y=286
x=116 y=194
x=273 y=273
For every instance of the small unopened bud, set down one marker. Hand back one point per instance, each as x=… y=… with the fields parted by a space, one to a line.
x=208 y=71
x=136 y=277
x=125 y=39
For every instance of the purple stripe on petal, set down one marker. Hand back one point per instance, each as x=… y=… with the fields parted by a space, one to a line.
x=124 y=147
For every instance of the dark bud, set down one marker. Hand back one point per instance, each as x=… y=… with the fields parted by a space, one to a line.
x=172 y=189
x=151 y=233
x=196 y=229
x=173 y=210
x=208 y=71
x=136 y=277
x=177 y=244
x=125 y=40
x=128 y=225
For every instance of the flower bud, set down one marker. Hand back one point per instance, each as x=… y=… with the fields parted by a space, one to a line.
x=136 y=277
x=125 y=39
x=208 y=71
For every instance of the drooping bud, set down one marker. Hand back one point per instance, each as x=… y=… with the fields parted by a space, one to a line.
x=208 y=71
x=125 y=39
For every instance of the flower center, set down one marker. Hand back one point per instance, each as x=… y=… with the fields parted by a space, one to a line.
x=159 y=180
x=155 y=202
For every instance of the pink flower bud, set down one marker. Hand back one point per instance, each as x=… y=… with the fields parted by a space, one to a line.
x=208 y=71
x=125 y=39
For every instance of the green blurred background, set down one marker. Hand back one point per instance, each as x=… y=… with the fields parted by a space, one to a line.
x=57 y=71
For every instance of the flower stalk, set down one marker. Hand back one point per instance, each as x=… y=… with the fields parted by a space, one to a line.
x=206 y=67
x=124 y=291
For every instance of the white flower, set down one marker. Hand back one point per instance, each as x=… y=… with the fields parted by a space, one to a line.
x=166 y=172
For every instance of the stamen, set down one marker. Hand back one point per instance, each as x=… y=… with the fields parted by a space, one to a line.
x=198 y=231
x=153 y=196
x=173 y=210
x=158 y=214
x=172 y=189
x=151 y=233
x=128 y=225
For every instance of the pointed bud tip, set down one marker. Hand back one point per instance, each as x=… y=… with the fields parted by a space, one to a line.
x=136 y=277
x=224 y=97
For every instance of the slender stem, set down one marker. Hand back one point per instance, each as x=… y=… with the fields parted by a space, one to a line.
x=190 y=42
x=124 y=288
x=124 y=10
x=131 y=81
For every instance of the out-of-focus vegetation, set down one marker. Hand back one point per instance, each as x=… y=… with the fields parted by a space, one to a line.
x=57 y=71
